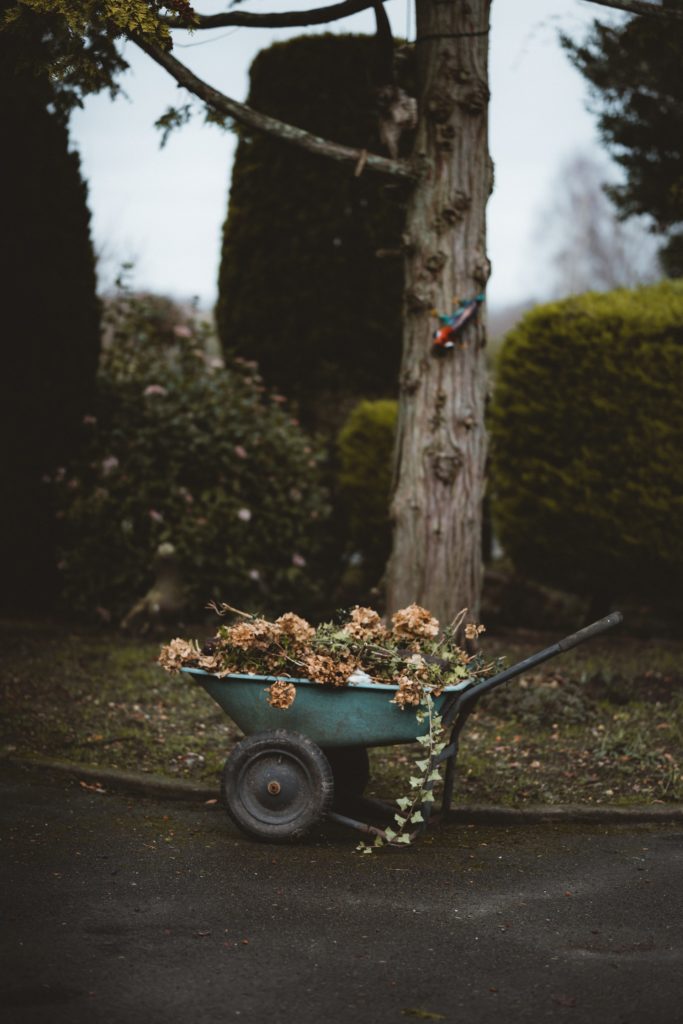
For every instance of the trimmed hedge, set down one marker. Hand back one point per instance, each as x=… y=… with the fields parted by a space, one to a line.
x=365 y=445
x=51 y=314
x=587 y=452
x=301 y=288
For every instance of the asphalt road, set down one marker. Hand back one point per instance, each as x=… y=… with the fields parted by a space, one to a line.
x=120 y=910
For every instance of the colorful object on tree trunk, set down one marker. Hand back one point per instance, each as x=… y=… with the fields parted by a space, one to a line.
x=455 y=322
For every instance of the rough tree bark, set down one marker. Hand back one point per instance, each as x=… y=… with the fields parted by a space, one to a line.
x=441 y=440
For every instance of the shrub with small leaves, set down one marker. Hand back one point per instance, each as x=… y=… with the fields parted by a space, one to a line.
x=587 y=431
x=180 y=448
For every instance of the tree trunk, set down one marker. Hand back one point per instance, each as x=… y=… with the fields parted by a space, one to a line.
x=441 y=441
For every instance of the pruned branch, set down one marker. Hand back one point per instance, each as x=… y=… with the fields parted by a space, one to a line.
x=245 y=115
x=282 y=19
x=641 y=7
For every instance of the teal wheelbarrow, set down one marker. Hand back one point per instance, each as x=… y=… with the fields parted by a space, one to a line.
x=279 y=782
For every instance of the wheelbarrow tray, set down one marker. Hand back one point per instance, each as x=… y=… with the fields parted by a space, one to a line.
x=358 y=714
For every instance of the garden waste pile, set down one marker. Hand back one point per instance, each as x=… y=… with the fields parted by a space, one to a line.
x=413 y=653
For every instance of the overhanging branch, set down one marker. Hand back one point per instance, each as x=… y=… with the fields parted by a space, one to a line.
x=282 y=19
x=641 y=7
x=245 y=115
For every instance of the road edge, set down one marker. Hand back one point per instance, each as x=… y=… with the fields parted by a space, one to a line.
x=157 y=786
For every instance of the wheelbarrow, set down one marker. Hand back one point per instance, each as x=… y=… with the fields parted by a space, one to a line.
x=278 y=782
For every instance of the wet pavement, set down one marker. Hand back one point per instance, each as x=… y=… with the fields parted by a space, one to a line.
x=124 y=910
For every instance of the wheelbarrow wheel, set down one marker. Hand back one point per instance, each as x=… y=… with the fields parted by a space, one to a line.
x=277 y=785
x=350 y=771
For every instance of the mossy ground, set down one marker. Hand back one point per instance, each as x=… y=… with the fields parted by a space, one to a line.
x=602 y=724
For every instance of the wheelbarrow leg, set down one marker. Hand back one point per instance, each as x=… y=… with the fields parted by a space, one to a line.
x=450 y=755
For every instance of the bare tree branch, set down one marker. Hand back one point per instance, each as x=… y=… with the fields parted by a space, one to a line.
x=270 y=125
x=283 y=19
x=641 y=7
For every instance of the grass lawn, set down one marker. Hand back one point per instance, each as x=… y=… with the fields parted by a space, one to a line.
x=600 y=724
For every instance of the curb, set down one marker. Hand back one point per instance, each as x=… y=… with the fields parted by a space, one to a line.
x=137 y=783
x=144 y=784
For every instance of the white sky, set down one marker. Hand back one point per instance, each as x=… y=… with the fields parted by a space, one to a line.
x=164 y=209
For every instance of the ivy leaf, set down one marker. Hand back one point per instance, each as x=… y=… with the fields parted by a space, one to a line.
x=427 y=797
x=404 y=802
x=434 y=776
x=416 y=818
x=399 y=820
x=422 y=765
x=389 y=834
x=405 y=838
x=414 y=782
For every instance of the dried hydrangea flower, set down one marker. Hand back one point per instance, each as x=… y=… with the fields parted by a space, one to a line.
x=177 y=654
x=329 y=670
x=409 y=692
x=281 y=694
x=472 y=631
x=256 y=633
x=364 y=623
x=293 y=627
x=414 y=623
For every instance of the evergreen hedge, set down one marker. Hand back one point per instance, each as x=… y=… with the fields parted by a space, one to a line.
x=48 y=296
x=365 y=444
x=301 y=288
x=587 y=439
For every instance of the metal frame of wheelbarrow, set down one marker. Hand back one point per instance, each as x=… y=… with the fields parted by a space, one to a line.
x=455 y=714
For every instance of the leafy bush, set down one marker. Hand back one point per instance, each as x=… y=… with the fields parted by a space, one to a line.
x=365 y=445
x=180 y=448
x=587 y=430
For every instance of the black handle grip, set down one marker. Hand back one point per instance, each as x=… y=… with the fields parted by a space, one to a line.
x=595 y=628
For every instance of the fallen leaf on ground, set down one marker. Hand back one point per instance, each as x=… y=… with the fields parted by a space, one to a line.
x=92 y=787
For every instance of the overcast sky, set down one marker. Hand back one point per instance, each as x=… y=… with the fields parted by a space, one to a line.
x=164 y=209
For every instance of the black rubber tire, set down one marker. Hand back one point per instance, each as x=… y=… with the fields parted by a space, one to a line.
x=277 y=785
x=350 y=770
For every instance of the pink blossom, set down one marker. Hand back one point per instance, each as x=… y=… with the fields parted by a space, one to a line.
x=182 y=331
x=298 y=560
x=278 y=398
x=90 y=421
x=244 y=514
x=155 y=516
x=109 y=465
x=155 y=389
x=240 y=452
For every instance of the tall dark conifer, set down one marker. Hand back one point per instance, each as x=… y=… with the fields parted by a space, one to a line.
x=634 y=70
x=50 y=315
x=311 y=275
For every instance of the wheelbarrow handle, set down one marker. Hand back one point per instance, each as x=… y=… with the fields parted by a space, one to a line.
x=470 y=696
x=588 y=632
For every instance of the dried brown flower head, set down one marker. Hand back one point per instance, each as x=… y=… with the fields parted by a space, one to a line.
x=281 y=694
x=472 y=631
x=329 y=670
x=293 y=627
x=177 y=654
x=409 y=692
x=414 y=623
x=364 y=624
x=254 y=634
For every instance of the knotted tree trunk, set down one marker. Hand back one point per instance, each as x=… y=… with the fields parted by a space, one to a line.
x=441 y=440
